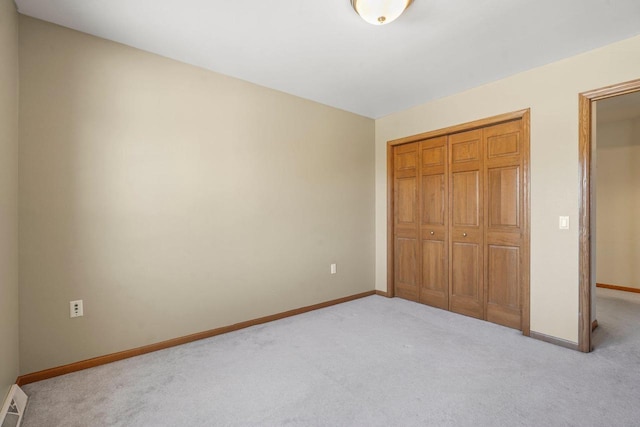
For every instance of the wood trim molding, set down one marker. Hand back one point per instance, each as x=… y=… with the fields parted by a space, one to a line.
x=613 y=90
x=383 y=294
x=526 y=217
x=553 y=340
x=489 y=121
x=391 y=292
x=113 y=357
x=594 y=325
x=584 y=231
x=618 y=288
x=585 y=101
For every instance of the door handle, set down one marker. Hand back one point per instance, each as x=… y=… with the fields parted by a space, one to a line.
x=432 y=233
x=464 y=234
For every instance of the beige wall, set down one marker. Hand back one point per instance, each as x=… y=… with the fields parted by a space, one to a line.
x=8 y=196
x=618 y=207
x=174 y=200
x=552 y=94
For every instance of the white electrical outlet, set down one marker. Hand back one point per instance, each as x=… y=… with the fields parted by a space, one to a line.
x=334 y=268
x=76 y=309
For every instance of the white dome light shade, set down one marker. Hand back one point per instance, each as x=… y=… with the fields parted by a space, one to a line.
x=380 y=12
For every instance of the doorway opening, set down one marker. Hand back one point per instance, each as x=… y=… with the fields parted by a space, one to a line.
x=587 y=197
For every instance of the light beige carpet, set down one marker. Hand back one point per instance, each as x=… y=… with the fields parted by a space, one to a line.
x=370 y=362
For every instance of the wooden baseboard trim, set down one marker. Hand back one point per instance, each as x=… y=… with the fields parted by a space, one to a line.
x=594 y=325
x=113 y=357
x=383 y=294
x=553 y=340
x=618 y=288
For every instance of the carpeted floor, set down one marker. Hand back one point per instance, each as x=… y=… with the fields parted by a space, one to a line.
x=370 y=362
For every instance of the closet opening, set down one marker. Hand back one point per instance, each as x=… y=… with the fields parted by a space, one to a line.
x=459 y=219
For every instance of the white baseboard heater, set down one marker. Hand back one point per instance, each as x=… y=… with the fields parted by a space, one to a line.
x=13 y=408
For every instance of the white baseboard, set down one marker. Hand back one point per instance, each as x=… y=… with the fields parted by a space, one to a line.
x=13 y=408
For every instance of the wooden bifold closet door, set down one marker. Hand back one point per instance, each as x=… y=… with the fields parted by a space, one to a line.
x=467 y=278
x=434 y=287
x=460 y=230
x=505 y=233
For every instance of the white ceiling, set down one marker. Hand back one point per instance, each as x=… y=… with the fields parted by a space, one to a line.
x=323 y=51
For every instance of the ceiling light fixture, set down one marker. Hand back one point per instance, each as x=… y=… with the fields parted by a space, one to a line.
x=380 y=12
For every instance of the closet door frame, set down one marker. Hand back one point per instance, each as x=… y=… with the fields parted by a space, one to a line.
x=523 y=115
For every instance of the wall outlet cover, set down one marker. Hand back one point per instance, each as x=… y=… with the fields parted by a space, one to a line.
x=76 y=308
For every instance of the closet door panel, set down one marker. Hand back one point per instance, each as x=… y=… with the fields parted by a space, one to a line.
x=504 y=140
x=466 y=289
x=406 y=222
x=466 y=199
x=503 y=292
x=466 y=283
x=434 y=289
x=433 y=200
x=504 y=232
x=406 y=191
x=406 y=268
x=503 y=196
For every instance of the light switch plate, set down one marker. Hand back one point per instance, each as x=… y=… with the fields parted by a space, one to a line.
x=564 y=223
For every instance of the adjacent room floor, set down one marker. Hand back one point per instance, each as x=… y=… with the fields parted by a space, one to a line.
x=370 y=362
